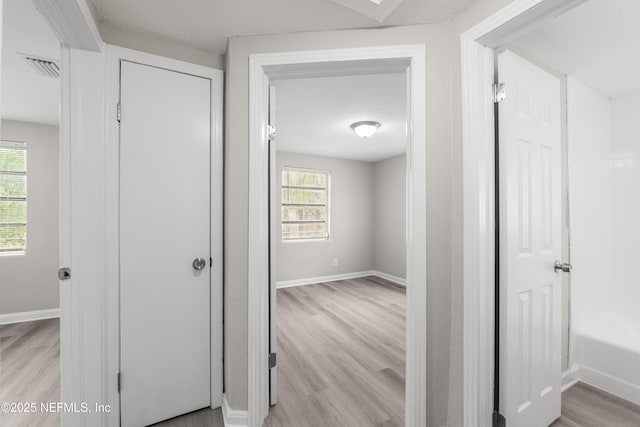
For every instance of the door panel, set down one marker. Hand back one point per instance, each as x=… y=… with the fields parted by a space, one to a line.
x=530 y=239
x=164 y=225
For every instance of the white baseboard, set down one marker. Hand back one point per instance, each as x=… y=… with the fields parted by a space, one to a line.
x=322 y=279
x=28 y=316
x=610 y=384
x=570 y=377
x=233 y=417
x=395 y=279
x=334 y=278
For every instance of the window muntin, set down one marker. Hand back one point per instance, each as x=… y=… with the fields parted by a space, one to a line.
x=305 y=204
x=13 y=197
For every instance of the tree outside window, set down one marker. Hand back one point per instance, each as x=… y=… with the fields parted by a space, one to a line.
x=13 y=197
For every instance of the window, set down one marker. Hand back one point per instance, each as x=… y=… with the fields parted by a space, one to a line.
x=13 y=197
x=305 y=204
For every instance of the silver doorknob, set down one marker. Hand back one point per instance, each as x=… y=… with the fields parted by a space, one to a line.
x=199 y=263
x=566 y=268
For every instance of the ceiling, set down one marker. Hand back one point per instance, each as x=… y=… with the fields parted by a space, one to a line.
x=206 y=24
x=27 y=96
x=598 y=43
x=313 y=115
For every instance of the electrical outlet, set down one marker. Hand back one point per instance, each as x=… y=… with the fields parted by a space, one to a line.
x=335 y=262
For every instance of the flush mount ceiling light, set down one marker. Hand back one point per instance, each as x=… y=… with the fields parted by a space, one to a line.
x=365 y=128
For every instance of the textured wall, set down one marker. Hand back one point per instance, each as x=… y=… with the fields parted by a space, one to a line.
x=350 y=222
x=30 y=282
x=437 y=39
x=389 y=216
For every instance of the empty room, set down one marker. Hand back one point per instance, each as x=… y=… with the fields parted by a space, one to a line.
x=338 y=258
x=29 y=289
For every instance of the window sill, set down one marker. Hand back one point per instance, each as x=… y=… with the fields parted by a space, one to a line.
x=13 y=253
x=319 y=239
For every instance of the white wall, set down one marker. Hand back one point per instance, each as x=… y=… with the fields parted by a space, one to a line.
x=439 y=149
x=367 y=219
x=625 y=145
x=30 y=282
x=389 y=216
x=159 y=46
x=351 y=221
x=590 y=202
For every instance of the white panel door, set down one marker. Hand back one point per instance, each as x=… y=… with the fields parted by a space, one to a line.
x=530 y=237
x=165 y=142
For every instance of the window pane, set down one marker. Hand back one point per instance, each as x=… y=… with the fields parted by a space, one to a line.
x=304 y=213
x=13 y=186
x=13 y=211
x=304 y=178
x=298 y=196
x=304 y=231
x=13 y=159
x=13 y=238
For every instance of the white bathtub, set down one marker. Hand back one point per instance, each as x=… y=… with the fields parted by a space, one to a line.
x=607 y=355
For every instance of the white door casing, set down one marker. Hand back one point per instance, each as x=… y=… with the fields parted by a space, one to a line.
x=262 y=68
x=530 y=242
x=274 y=216
x=165 y=336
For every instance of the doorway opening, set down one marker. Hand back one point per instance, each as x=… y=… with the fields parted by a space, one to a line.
x=29 y=206
x=596 y=94
x=264 y=69
x=338 y=249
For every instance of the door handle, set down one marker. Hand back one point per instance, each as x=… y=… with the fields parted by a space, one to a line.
x=565 y=268
x=199 y=263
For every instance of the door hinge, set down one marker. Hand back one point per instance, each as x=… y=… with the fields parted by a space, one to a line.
x=499 y=92
x=64 y=273
x=119 y=382
x=272 y=360
x=118 y=112
x=498 y=419
x=271 y=132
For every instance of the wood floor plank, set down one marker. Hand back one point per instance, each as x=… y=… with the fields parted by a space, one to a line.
x=202 y=418
x=30 y=370
x=587 y=406
x=341 y=363
x=341 y=352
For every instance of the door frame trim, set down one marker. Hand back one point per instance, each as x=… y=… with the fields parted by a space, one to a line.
x=477 y=75
x=111 y=295
x=262 y=67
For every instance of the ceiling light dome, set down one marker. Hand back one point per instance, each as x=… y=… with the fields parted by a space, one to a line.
x=365 y=128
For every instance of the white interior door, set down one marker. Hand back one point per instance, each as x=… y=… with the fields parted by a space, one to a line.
x=274 y=216
x=165 y=143
x=530 y=242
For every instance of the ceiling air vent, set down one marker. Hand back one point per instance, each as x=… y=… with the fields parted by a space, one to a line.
x=43 y=66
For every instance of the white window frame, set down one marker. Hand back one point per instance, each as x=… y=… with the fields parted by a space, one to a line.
x=327 y=189
x=20 y=146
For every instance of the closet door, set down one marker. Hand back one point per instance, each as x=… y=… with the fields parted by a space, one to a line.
x=165 y=143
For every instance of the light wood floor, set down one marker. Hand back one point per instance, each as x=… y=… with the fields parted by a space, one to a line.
x=355 y=377
x=30 y=370
x=341 y=355
x=586 y=406
x=203 y=418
